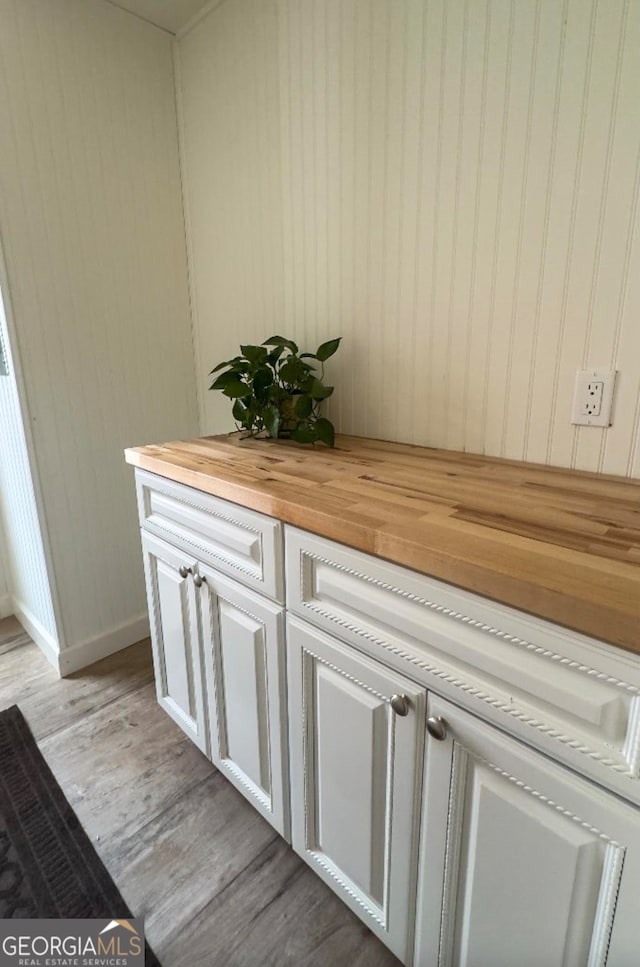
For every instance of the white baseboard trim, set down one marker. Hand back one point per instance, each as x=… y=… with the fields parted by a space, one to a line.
x=43 y=639
x=87 y=652
x=6 y=605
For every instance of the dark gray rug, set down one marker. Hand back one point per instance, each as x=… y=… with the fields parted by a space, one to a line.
x=48 y=866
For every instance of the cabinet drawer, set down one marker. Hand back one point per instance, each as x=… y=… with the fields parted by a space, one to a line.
x=574 y=697
x=239 y=542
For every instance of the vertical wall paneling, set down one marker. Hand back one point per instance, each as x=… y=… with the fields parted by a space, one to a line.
x=614 y=251
x=245 y=197
x=452 y=185
x=91 y=217
x=583 y=277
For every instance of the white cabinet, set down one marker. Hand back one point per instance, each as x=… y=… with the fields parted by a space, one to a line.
x=243 y=641
x=175 y=637
x=357 y=736
x=572 y=697
x=465 y=776
x=522 y=862
x=219 y=656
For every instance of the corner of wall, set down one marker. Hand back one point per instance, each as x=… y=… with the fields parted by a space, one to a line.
x=80 y=656
x=195 y=345
x=6 y=605
x=36 y=630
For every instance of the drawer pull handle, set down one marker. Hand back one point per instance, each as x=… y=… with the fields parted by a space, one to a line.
x=437 y=727
x=198 y=580
x=184 y=571
x=400 y=704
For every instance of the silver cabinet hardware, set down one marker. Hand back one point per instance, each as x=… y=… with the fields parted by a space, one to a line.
x=437 y=727
x=400 y=704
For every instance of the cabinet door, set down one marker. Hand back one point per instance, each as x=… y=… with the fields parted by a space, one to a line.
x=522 y=862
x=243 y=639
x=355 y=778
x=175 y=637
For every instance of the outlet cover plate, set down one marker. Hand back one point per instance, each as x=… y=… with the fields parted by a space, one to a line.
x=593 y=397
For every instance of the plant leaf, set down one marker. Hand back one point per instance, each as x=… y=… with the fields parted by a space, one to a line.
x=319 y=391
x=303 y=407
x=275 y=355
x=327 y=349
x=238 y=364
x=237 y=389
x=325 y=431
x=303 y=433
x=239 y=411
x=281 y=341
x=277 y=393
x=261 y=382
x=224 y=379
x=293 y=371
x=255 y=354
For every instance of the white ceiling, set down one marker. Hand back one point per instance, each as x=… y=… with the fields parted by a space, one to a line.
x=169 y=14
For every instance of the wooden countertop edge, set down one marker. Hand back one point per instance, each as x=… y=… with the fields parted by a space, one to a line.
x=581 y=610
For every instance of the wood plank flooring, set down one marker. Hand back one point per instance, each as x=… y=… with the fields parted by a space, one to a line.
x=217 y=887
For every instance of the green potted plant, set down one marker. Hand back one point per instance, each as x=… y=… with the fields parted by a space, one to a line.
x=277 y=390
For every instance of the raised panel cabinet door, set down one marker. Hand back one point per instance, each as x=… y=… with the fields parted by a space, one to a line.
x=243 y=640
x=356 y=769
x=177 y=658
x=522 y=861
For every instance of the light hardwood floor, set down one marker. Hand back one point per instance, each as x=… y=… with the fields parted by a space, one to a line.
x=217 y=887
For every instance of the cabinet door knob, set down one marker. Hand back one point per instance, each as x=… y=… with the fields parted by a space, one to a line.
x=437 y=727
x=198 y=580
x=400 y=704
x=184 y=571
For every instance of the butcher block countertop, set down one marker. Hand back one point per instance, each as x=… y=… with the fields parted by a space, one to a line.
x=561 y=544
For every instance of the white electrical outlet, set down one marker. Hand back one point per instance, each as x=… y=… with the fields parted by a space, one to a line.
x=593 y=397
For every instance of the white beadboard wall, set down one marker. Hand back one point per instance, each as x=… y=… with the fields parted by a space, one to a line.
x=92 y=225
x=452 y=185
x=25 y=575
